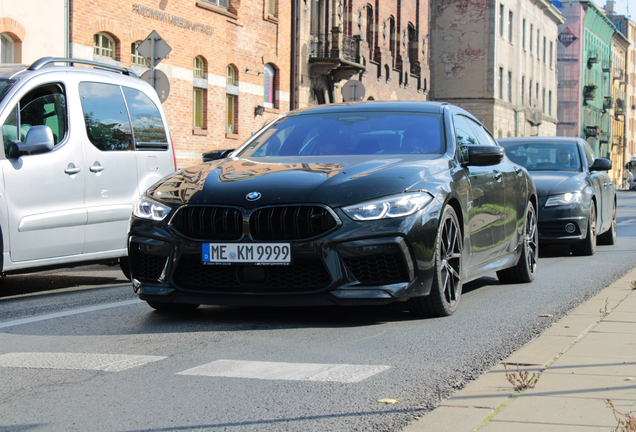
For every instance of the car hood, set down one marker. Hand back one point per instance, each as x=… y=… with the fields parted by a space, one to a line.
x=557 y=182
x=334 y=181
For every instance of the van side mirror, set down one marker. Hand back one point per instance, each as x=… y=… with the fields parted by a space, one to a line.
x=39 y=139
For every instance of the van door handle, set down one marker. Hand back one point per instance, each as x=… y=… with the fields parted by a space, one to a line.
x=497 y=175
x=72 y=169
x=96 y=168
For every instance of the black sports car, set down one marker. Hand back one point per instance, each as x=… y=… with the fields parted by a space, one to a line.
x=577 y=200
x=344 y=204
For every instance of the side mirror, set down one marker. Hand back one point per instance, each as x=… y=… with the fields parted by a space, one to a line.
x=216 y=155
x=39 y=139
x=482 y=155
x=601 y=164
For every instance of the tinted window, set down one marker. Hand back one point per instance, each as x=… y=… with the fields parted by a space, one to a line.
x=350 y=133
x=542 y=156
x=43 y=106
x=148 y=128
x=463 y=132
x=589 y=154
x=105 y=116
x=483 y=137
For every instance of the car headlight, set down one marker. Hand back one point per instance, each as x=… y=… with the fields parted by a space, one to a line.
x=390 y=207
x=147 y=208
x=564 y=199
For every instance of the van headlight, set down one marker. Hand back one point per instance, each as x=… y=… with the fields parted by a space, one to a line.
x=147 y=208
x=389 y=207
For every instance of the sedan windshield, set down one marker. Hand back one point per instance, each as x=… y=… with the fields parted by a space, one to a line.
x=545 y=156
x=350 y=133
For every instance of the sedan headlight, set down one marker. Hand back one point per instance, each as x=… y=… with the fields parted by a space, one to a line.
x=390 y=207
x=564 y=199
x=147 y=208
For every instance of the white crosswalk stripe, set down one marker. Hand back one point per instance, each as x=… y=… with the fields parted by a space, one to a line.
x=343 y=373
x=75 y=361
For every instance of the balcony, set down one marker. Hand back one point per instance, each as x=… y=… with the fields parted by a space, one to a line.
x=605 y=136
x=619 y=109
x=608 y=102
x=594 y=130
x=589 y=92
x=337 y=54
x=592 y=58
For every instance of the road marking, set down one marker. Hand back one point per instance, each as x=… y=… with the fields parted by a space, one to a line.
x=342 y=373
x=75 y=361
x=626 y=222
x=67 y=313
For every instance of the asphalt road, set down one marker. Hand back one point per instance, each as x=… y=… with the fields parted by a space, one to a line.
x=86 y=355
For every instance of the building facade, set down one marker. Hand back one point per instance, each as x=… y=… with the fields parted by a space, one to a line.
x=625 y=87
x=380 y=46
x=498 y=61
x=33 y=29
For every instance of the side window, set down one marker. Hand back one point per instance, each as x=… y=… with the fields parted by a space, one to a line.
x=463 y=133
x=105 y=116
x=589 y=155
x=148 y=128
x=44 y=106
x=483 y=137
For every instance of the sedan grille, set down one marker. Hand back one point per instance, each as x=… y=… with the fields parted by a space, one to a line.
x=300 y=276
x=209 y=223
x=378 y=269
x=290 y=223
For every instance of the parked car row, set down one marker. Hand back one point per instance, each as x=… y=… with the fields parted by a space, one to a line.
x=344 y=204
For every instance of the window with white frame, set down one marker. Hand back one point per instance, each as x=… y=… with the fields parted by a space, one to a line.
x=199 y=94
x=104 y=46
x=231 y=100
x=269 y=97
x=7 y=49
x=136 y=58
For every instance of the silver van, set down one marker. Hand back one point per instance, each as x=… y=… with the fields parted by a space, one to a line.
x=81 y=141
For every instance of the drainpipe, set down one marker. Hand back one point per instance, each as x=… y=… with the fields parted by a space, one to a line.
x=67 y=29
x=294 y=73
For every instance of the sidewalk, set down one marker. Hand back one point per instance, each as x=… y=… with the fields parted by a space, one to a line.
x=584 y=359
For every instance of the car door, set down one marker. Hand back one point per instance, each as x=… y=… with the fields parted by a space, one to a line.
x=110 y=166
x=515 y=190
x=486 y=204
x=598 y=180
x=44 y=192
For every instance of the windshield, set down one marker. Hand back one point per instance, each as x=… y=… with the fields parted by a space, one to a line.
x=350 y=133
x=545 y=156
x=5 y=86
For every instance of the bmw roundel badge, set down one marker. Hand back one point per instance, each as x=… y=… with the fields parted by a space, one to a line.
x=253 y=196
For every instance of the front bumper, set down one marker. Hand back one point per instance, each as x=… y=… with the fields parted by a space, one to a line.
x=359 y=263
x=563 y=224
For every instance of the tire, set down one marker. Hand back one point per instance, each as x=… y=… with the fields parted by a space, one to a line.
x=588 y=246
x=609 y=236
x=124 y=264
x=172 y=307
x=526 y=269
x=447 y=283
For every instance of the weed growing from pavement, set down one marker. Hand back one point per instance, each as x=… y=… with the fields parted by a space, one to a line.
x=626 y=422
x=633 y=283
x=604 y=311
x=520 y=380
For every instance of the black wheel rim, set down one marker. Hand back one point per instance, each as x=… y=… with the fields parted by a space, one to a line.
x=531 y=240
x=450 y=269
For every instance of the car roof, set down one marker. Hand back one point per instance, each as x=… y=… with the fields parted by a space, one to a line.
x=374 y=106
x=558 y=140
x=52 y=64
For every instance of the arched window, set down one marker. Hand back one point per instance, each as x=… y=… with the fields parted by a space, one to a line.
x=7 y=49
x=231 y=100
x=136 y=58
x=270 y=86
x=104 y=46
x=199 y=93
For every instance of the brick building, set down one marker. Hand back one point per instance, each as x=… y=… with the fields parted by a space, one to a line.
x=382 y=44
x=498 y=61
x=228 y=70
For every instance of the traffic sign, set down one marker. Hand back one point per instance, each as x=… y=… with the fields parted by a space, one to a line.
x=154 y=49
x=353 y=91
x=161 y=84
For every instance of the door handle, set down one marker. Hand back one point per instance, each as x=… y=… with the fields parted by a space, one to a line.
x=519 y=171
x=497 y=175
x=72 y=169
x=96 y=168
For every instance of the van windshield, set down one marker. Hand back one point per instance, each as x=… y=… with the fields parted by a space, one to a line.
x=5 y=86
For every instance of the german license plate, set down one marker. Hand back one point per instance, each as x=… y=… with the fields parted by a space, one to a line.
x=242 y=253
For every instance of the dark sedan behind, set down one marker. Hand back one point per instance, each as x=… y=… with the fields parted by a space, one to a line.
x=577 y=200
